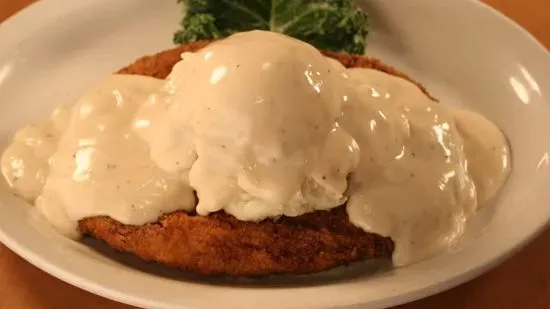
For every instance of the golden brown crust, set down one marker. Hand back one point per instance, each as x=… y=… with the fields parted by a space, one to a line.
x=219 y=244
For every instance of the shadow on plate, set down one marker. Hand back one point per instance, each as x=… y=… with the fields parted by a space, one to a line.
x=342 y=273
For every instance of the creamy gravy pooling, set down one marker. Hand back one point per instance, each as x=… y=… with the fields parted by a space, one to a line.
x=262 y=125
x=424 y=167
x=86 y=161
x=252 y=126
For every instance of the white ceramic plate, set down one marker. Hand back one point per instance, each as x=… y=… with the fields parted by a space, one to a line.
x=466 y=53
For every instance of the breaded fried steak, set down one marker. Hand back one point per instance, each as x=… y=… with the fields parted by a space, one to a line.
x=219 y=244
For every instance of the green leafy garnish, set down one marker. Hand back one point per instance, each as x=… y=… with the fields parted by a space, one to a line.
x=335 y=25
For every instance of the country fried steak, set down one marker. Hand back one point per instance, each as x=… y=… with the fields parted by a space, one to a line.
x=219 y=244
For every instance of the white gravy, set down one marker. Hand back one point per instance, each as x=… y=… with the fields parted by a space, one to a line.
x=261 y=125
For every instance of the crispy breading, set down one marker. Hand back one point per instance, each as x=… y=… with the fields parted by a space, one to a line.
x=219 y=244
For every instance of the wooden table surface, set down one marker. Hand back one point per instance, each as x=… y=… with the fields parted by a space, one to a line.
x=521 y=282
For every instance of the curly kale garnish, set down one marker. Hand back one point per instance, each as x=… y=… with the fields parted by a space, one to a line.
x=336 y=25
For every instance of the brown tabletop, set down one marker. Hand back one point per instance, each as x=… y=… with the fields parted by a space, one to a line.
x=521 y=282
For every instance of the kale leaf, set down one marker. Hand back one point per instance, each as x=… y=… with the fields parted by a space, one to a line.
x=336 y=25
